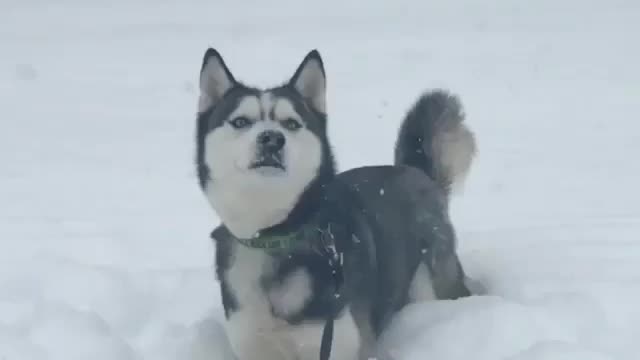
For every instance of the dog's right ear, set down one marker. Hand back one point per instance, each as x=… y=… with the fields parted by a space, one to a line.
x=215 y=80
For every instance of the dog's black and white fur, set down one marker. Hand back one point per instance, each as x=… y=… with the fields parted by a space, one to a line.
x=266 y=166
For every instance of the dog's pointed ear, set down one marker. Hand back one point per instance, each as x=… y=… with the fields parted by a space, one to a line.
x=215 y=79
x=310 y=81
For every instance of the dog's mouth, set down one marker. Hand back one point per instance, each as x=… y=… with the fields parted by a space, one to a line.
x=268 y=161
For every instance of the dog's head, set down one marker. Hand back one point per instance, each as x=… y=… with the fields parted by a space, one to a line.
x=260 y=147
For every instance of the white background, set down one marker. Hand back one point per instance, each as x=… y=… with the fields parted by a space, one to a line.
x=104 y=249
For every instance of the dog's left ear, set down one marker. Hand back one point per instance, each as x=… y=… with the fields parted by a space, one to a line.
x=310 y=81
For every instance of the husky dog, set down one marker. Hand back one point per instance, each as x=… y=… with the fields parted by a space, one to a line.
x=265 y=164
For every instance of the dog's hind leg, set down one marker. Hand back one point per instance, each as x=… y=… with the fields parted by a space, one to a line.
x=447 y=275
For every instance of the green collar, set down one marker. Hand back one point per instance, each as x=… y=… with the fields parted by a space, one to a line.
x=272 y=243
x=304 y=236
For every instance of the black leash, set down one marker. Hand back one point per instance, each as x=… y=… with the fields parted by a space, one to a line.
x=335 y=265
x=327 y=339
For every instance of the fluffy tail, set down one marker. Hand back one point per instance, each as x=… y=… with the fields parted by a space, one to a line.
x=434 y=138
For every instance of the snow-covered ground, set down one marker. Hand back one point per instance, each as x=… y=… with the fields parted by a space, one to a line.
x=104 y=252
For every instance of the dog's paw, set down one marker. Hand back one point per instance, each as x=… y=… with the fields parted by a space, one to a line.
x=475 y=286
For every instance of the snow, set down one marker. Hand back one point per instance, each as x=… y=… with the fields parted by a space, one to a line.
x=104 y=249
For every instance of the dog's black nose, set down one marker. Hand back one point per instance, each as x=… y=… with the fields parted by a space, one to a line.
x=271 y=140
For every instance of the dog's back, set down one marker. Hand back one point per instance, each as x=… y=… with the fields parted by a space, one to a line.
x=406 y=249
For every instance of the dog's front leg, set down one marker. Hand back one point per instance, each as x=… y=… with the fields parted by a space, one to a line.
x=254 y=339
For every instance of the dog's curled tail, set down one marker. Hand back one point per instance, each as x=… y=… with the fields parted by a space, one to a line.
x=434 y=138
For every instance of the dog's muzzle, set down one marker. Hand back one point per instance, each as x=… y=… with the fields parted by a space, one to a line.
x=270 y=145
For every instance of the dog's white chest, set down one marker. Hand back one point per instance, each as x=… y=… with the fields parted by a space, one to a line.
x=245 y=210
x=247 y=268
x=253 y=331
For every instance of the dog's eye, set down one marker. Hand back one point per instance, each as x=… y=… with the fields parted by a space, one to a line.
x=240 y=122
x=291 y=124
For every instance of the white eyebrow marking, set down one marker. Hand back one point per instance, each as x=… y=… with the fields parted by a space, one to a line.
x=284 y=109
x=249 y=107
